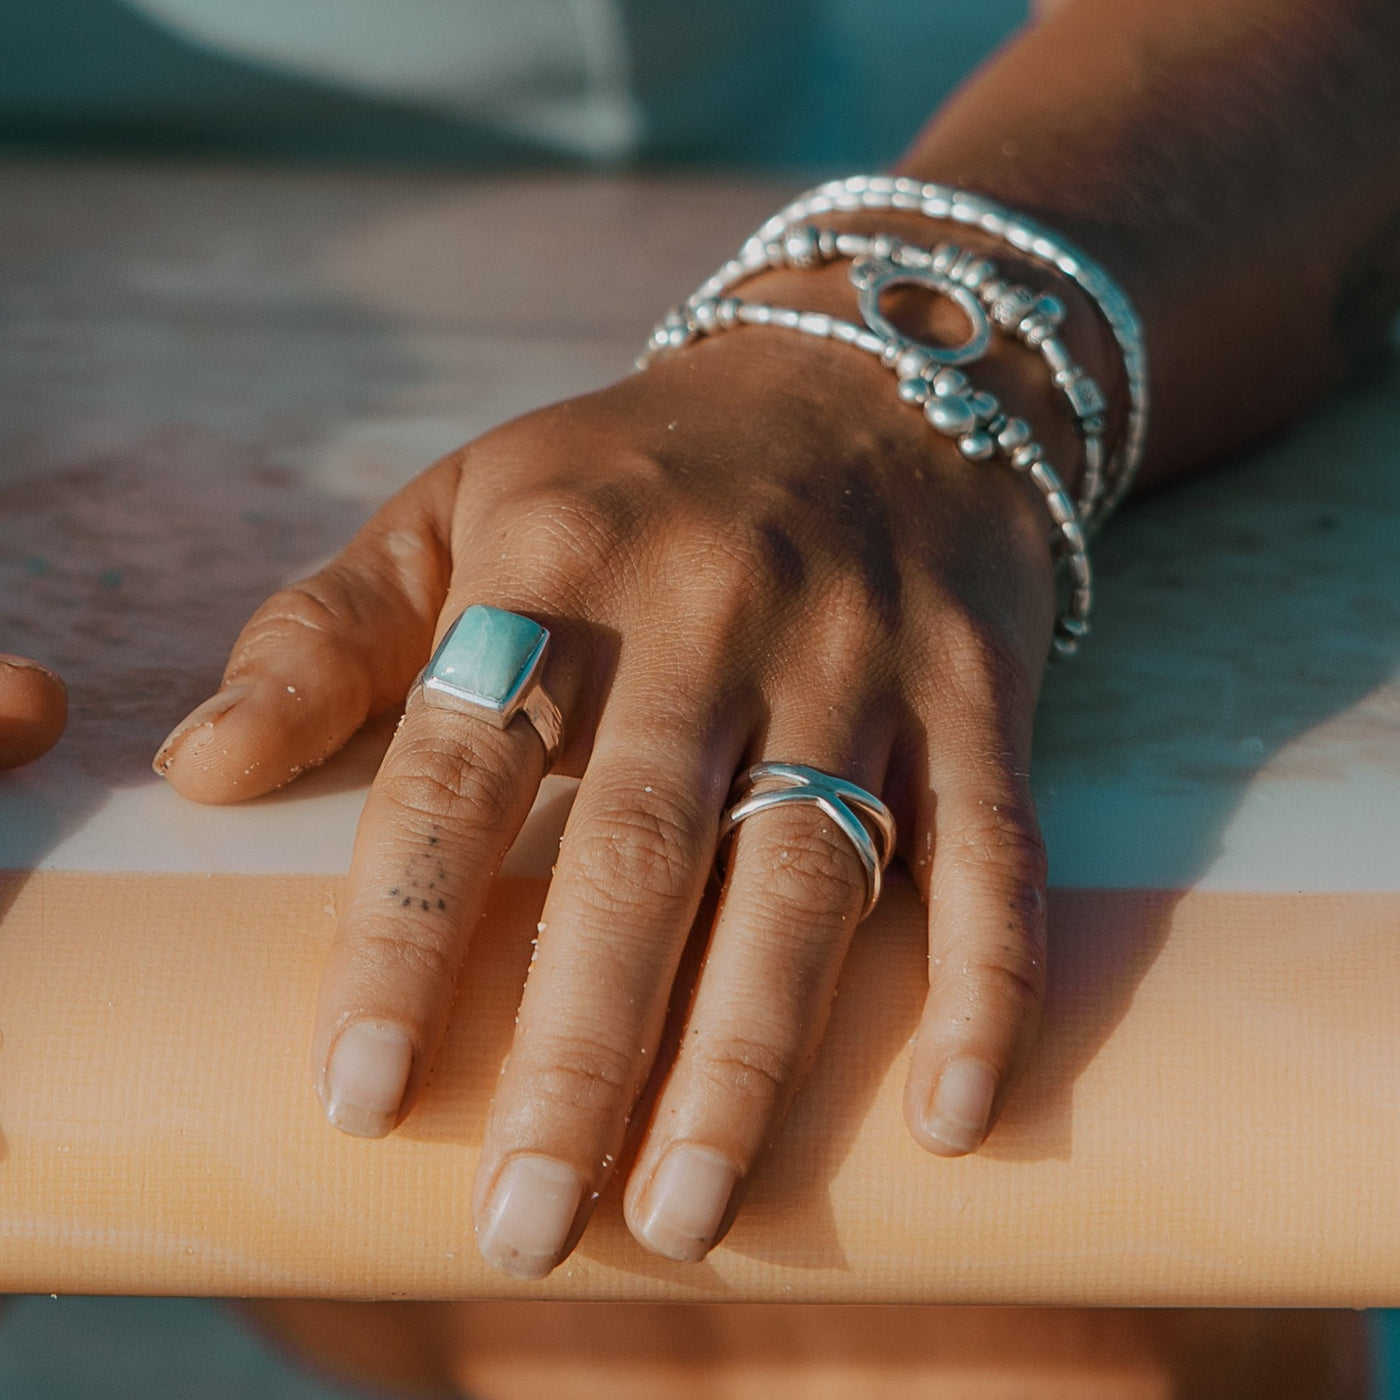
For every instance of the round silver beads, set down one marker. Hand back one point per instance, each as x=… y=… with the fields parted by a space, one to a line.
x=969 y=417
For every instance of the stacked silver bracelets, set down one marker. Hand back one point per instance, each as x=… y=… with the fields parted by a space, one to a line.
x=928 y=374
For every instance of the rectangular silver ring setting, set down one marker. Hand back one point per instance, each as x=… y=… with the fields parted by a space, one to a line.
x=487 y=664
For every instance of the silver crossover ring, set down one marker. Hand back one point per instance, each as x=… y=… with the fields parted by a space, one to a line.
x=489 y=664
x=860 y=816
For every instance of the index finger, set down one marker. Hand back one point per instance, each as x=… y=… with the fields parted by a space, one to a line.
x=323 y=655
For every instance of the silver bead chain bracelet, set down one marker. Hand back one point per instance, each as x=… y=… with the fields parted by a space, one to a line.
x=972 y=417
x=947 y=204
x=928 y=375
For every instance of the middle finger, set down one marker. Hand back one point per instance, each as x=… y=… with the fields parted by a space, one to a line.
x=631 y=873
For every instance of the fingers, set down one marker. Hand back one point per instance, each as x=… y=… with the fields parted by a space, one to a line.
x=794 y=893
x=33 y=710
x=631 y=872
x=986 y=966
x=449 y=798
x=987 y=919
x=323 y=655
x=793 y=898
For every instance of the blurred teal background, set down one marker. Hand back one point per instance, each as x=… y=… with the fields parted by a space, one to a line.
x=786 y=84
x=145 y=1349
x=195 y=1349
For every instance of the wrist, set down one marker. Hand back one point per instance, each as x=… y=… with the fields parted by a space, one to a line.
x=1005 y=286
x=1014 y=373
x=966 y=383
x=788 y=392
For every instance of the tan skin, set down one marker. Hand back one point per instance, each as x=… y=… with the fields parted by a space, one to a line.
x=754 y=551
x=33 y=710
x=742 y=603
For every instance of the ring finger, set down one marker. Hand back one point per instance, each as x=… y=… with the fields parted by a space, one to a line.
x=796 y=890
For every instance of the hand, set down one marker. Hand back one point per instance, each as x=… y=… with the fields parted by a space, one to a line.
x=752 y=551
x=33 y=710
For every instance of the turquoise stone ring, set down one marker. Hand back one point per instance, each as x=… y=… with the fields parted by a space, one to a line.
x=488 y=664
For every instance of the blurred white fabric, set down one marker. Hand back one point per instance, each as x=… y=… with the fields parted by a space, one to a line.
x=552 y=71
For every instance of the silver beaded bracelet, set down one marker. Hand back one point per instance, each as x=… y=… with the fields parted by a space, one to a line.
x=973 y=418
x=1032 y=317
x=927 y=374
x=947 y=204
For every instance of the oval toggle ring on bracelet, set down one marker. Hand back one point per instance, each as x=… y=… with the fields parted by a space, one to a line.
x=489 y=664
x=873 y=276
x=860 y=816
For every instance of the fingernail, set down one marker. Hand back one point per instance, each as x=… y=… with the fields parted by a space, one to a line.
x=686 y=1202
x=201 y=715
x=962 y=1104
x=366 y=1077
x=24 y=663
x=526 y=1222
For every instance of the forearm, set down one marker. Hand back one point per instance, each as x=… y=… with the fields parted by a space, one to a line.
x=1237 y=168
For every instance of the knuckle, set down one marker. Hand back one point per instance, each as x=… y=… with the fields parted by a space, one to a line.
x=310 y=611
x=757 y=1070
x=709 y=598
x=358 y=620
x=443 y=787
x=404 y=955
x=765 y=557
x=565 y=533
x=643 y=854
x=724 y=626
x=414 y=564
x=987 y=673
x=1001 y=841
x=1009 y=979
x=807 y=866
x=736 y=573
x=852 y=628
x=846 y=637
x=320 y=603
x=581 y=1074
x=997 y=917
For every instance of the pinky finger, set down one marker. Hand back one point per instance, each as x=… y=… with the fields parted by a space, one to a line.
x=987 y=938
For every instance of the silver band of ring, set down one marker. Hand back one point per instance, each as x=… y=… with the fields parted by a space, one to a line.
x=489 y=664
x=860 y=816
